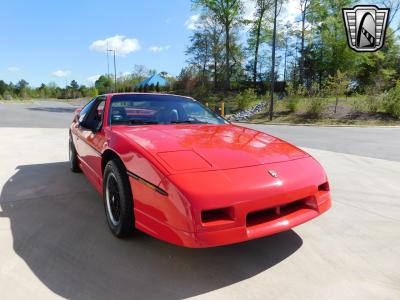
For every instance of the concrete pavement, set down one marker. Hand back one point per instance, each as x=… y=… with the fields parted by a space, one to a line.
x=54 y=240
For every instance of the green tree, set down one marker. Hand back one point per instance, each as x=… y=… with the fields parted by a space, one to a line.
x=22 y=88
x=199 y=53
x=74 y=85
x=391 y=102
x=3 y=87
x=379 y=70
x=263 y=7
x=228 y=13
x=103 y=84
x=305 y=6
x=338 y=85
x=205 y=50
x=326 y=49
x=43 y=91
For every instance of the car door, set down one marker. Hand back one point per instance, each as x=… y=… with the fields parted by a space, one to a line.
x=91 y=142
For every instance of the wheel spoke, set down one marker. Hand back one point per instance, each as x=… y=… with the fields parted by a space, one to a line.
x=113 y=199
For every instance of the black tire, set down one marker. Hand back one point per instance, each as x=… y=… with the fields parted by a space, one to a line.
x=118 y=201
x=73 y=157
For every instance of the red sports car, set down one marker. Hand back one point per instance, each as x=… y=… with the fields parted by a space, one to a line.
x=170 y=167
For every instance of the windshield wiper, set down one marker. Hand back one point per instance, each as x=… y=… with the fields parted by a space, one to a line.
x=188 y=122
x=142 y=122
x=183 y=122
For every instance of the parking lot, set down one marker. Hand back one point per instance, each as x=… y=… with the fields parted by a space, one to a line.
x=54 y=240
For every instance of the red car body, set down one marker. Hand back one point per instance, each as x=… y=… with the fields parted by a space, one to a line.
x=201 y=185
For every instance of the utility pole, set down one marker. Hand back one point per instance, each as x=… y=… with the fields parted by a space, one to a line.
x=271 y=104
x=108 y=64
x=115 y=71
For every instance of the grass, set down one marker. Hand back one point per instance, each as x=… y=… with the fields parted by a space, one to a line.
x=350 y=111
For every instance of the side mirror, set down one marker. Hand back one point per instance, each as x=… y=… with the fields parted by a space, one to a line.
x=91 y=125
x=77 y=114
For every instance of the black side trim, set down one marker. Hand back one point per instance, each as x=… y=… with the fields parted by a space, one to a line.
x=147 y=183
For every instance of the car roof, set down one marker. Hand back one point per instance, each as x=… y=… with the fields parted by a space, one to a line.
x=152 y=94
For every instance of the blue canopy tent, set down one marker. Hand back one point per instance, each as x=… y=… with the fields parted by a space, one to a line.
x=154 y=80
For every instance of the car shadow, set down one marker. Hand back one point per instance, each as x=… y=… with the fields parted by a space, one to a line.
x=53 y=109
x=59 y=230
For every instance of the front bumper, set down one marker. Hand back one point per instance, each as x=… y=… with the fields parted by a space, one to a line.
x=258 y=204
x=264 y=226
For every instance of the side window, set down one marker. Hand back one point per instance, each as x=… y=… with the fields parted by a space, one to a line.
x=96 y=111
x=100 y=109
x=86 y=109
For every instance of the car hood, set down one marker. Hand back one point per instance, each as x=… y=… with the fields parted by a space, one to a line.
x=185 y=148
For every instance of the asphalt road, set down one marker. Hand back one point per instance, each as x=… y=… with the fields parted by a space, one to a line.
x=370 y=141
x=54 y=240
x=37 y=114
x=374 y=142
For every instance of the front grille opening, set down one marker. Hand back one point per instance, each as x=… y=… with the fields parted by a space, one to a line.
x=225 y=214
x=270 y=214
x=324 y=187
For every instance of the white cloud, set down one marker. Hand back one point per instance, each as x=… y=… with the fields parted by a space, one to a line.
x=13 y=69
x=92 y=79
x=121 y=44
x=193 y=22
x=159 y=48
x=61 y=73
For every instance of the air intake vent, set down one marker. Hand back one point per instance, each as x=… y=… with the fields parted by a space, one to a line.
x=217 y=216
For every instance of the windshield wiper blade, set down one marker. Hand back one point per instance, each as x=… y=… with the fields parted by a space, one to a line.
x=183 y=122
x=142 y=122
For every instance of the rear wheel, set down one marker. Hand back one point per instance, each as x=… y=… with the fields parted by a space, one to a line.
x=118 y=203
x=73 y=157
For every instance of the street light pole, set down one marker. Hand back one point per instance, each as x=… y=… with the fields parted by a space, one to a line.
x=115 y=75
x=271 y=104
x=115 y=71
x=108 y=64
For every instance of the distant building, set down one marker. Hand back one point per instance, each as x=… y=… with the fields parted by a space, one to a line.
x=154 y=80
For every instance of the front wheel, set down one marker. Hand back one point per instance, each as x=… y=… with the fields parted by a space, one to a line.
x=118 y=203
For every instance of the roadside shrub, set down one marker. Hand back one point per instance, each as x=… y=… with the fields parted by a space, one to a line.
x=301 y=91
x=7 y=96
x=373 y=103
x=292 y=100
x=315 y=107
x=244 y=98
x=313 y=91
x=290 y=89
x=292 y=103
x=391 y=101
x=357 y=105
x=200 y=92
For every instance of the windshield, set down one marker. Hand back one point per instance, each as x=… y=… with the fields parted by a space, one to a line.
x=138 y=109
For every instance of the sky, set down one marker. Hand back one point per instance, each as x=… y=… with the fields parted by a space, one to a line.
x=57 y=41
